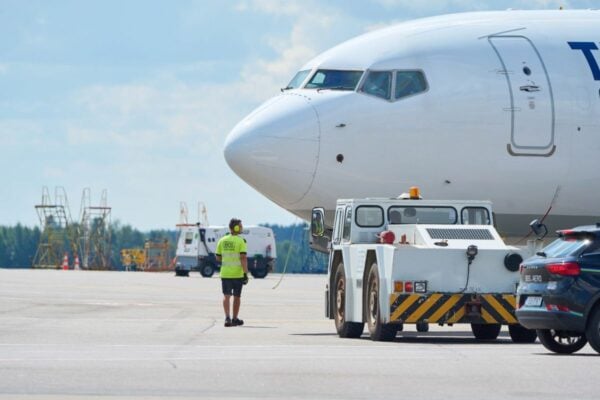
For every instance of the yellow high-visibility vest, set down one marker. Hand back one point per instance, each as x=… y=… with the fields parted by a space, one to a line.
x=230 y=247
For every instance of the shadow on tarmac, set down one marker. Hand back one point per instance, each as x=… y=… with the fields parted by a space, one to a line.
x=458 y=337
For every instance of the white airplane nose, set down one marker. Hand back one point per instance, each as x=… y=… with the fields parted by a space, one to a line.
x=275 y=149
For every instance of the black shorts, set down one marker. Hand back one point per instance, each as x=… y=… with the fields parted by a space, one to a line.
x=232 y=286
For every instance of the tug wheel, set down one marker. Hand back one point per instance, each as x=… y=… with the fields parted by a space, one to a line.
x=378 y=330
x=344 y=328
x=486 y=331
x=519 y=334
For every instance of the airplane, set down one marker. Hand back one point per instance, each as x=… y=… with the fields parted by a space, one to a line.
x=501 y=106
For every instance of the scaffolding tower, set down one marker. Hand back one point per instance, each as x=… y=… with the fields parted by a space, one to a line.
x=58 y=234
x=95 y=232
x=184 y=215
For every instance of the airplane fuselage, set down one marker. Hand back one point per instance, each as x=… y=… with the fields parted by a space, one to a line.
x=508 y=110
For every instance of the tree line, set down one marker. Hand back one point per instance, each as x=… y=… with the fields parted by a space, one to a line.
x=18 y=246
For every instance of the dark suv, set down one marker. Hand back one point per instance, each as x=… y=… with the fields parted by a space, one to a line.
x=559 y=291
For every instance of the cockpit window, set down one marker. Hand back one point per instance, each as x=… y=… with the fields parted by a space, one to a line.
x=409 y=83
x=334 y=79
x=297 y=80
x=378 y=83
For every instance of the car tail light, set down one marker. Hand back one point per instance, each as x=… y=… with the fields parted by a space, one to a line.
x=408 y=287
x=564 y=269
x=555 y=307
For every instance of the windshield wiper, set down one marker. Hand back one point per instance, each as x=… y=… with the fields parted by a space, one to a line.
x=335 y=88
x=541 y=254
x=286 y=88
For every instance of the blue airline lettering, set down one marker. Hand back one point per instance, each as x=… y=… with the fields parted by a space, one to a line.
x=586 y=48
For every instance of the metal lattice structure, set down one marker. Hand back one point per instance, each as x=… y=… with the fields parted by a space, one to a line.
x=58 y=235
x=95 y=232
x=184 y=214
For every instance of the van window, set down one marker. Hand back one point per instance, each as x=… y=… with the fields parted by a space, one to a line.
x=347 y=224
x=369 y=216
x=189 y=237
x=378 y=83
x=475 y=216
x=409 y=83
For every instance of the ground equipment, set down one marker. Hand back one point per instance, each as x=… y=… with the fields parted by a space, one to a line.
x=197 y=245
x=411 y=261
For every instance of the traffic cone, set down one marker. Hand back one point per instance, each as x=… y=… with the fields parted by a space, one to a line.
x=76 y=266
x=65 y=264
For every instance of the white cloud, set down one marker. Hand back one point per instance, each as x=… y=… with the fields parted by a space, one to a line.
x=198 y=116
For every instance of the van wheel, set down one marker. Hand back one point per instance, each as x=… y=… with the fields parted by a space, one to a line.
x=344 y=328
x=560 y=342
x=378 y=330
x=260 y=272
x=519 y=334
x=593 y=329
x=207 y=270
x=486 y=331
x=181 y=272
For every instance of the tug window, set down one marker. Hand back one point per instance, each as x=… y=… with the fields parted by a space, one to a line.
x=378 y=83
x=475 y=216
x=347 y=224
x=369 y=216
x=409 y=83
x=424 y=215
x=334 y=80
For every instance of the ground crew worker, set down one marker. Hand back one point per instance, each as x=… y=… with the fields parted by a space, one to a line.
x=231 y=252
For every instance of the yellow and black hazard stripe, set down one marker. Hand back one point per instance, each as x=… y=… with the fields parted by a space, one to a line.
x=496 y=308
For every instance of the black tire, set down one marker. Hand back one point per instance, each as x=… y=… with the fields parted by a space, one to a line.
x=379 y=331
x=207 y=270
x=519 y=334
x=560 y=342
x=422 y=327
x=344 y=329
x=260 y=272
x=592 y=331
x=181 y=272
x=486 y=331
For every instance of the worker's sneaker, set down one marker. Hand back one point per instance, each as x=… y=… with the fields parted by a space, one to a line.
x=228 y=322
x=237 y=322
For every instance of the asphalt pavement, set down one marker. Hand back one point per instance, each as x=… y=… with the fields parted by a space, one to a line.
x=134 y=335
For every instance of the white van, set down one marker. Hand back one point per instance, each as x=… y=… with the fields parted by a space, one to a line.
x=197 y=245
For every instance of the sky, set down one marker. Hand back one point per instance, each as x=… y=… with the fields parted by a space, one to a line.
x=137 y=97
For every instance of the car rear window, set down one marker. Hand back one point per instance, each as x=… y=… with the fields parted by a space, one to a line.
x=566 y=246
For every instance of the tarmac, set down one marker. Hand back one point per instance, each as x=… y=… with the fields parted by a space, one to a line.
x=133 y=335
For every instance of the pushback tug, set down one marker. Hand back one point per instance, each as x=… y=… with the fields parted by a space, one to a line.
x=412 y=261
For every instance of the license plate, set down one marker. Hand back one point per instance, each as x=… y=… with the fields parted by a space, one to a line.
x=533 y=301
